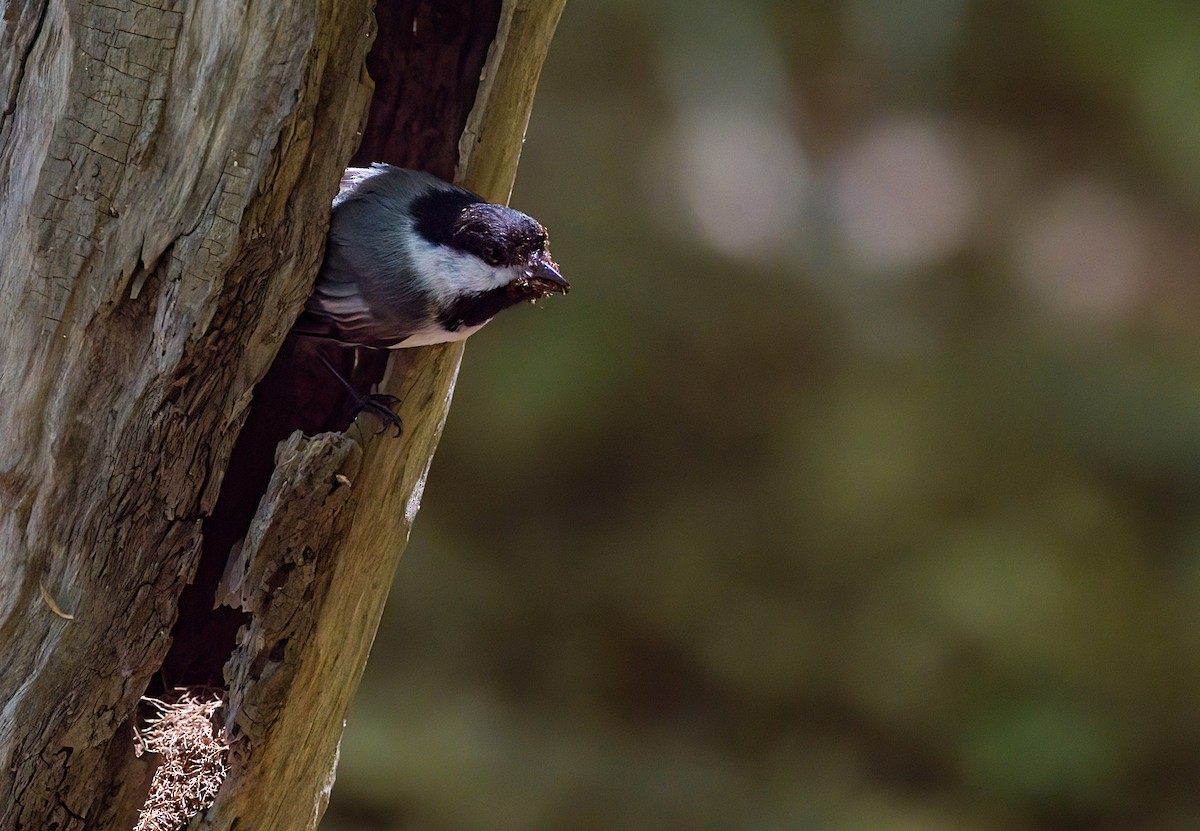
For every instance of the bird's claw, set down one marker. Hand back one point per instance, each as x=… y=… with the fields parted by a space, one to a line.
x=379 y=405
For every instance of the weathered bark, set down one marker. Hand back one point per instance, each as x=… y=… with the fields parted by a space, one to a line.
x=165 y=177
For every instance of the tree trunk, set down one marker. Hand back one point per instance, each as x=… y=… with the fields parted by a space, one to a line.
x=166 y=171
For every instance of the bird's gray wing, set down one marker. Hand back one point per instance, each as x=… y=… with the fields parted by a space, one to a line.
x=365 y=294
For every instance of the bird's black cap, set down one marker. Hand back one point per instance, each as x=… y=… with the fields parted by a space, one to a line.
x=498 y=235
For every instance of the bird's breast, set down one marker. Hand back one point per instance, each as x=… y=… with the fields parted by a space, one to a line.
x=436 y=334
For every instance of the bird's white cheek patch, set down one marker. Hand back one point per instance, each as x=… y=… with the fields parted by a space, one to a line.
x=456 y=272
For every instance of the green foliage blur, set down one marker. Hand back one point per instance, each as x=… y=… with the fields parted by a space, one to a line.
x=856 y=485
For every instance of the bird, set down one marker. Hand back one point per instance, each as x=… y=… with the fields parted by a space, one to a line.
x=412 y=260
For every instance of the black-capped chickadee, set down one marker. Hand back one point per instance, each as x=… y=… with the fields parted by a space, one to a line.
x=412 y=260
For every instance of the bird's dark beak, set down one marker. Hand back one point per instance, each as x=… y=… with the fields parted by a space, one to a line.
x=543 y=274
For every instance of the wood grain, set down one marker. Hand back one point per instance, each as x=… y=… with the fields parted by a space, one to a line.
x=165 y=177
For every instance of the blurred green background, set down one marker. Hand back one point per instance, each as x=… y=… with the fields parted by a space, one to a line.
x=857 y=483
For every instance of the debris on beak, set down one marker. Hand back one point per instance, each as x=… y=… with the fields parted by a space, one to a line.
x=543 y=275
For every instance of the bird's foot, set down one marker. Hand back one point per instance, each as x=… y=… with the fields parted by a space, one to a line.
x=379 y=405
